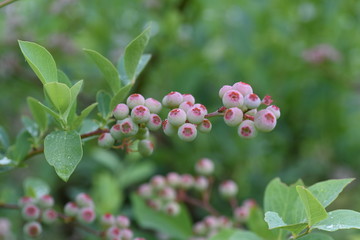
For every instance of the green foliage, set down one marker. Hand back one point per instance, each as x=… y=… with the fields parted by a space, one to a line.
x=35 y=187
x=339 y=219
x=234 y=234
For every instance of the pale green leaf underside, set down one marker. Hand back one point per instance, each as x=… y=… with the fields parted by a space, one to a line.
x=276 y=222
x=235 y=234
x=339 y=219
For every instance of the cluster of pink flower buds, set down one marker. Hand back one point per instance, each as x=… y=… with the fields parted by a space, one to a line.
x=5 y=229
x=241 y=110
x=186 y=117
x=241 y=213
x=116 y=227
x=35 y=212
x=210 y=226
x=82 y=209
x=320 y=54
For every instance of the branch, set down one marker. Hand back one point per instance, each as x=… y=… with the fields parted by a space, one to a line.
x=6 y=2
x=196 y=202
x=218 y=112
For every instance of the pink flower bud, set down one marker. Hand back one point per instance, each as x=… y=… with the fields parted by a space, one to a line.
x=115 y=132
x=265 y=120
x=205 y=126
x=224 y=222
x=121 y=111
x=134 y=100
x=228 y=189
x=122 y=221
x=252 y=101
x=211 y=222
x=5 y=228
x=158 y=182
x=202 y=107
x=71 y=209
x=113 y=233
x=267 y=100
x=233 y=116
x=155 y=204
x=200 y=228
x=145 y=147
x=107 y=220
x=201 y=183
x=186 y=106
x=168 y=129
x=46 y=201
x=224 y=89
x=275 y=110
x=86 y=215
x=154 y=122
x=168 y=194
x=187 y=132
x=30 y=212
x=153 y=105
x=241 y=214
x=25 y=200
x=243 y=88
x=187 y=181
x=247 y=129
x=84 y=200
x=188 y=98
x=145 y=191
x=32 y=229
x=49 y=216
x=128 y=127
x=173 y=179
x=177 y=117
x=106 y=140
x=126 y=234
x=195 y=114
x=172 y=100
x=140 y=114
x=232 y=98
x=204 y=167
x=172 y=208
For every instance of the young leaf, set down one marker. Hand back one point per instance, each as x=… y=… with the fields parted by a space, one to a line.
x=30 y=126
x=63 y=150
x=59 y=95
x=235 y=234
x=275 y=222
x=339 y=219
x=22 y=146
x=40 y=60
x=84 y=113
x=178 y=227
x=49 y=111
x=35 y=187
x=103 y=99
x=107 y=68
x=4 y=139
x=144 y=60
x=133 y=53
x=316 y=236
x=74 y=92
x=38 y=112
x=135 y=173
x=256 y=224
x=62 y=78
x=120 y=96
x=315 y=212
x=327 y=191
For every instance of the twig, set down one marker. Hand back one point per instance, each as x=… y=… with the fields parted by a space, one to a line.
x=6 y=2
x=196 y=202
x=220 y=111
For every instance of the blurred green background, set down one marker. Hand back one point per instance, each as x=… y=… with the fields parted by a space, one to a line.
x=197 y=46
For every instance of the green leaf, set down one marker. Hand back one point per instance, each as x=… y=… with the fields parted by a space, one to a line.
x=70 y=112
x=103 y=99
x=315 y=212
x=59 y=95
x=316 y=236
x=256 y=223
x=63 y=150
x=4 y=139
x=40 y=60
x=38 y=112
x=50 y=111
x=107 y=68
x=235 y=234
x=106 y=193
x=120 y=96
x=133 y=53
x=276 y=222
x=84 y=113
x=144 y=60
x=63 y=78
x=339 y=219
x=35 y=187
x=22 y=146
x=327 y=191
x=30 y=126
x=178 y=227
x=135 y=173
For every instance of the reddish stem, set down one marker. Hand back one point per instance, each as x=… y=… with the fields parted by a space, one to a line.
x=182 y=196
x=218 y=112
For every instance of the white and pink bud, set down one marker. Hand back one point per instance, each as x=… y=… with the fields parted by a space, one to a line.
x=113 y=232
x=224 y=222
x=105 y=140
x=188 y=98
x=201 y=183
x=107 y=220
x=211 y=222
x=121 y=111
x=187 y=181
x=172 y=100
x=265 y=120
x=187 y=132
x=228 y=189
x=251 y=112
x=205 y=126
x=243 y=88
x=204 y=167
x=45 y=201
x=232 y=98
x=267 y=100
x=84 y=200
x=202 y=107
x=275 y=110
x=155 y=204
x=115 y=132
x=140 y=114
x=195 y=114
x=247 y=129
x=32 y=229
x=145 y=147
x=153 y=105
x=25 y=200
x=128 y=127
x=168 y=128
x=134 y=100
x=224 y=89
x=154 y=122
x=30 y=212
x=122 y=221
x=126 y=234
x=71 y=209
x=173 y=179
x=158 y=182
x=49 y=216
x=186 y=106
x=5 y=229
x=241 y=214
x=252 y=101
x=145 y=191
x=177 y=117
x=167 y=193
x=86 y=215
x=200 y=228
x=233 y=116
x=172 y=208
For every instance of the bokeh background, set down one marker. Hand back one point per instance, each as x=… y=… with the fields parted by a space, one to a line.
x=305 y=54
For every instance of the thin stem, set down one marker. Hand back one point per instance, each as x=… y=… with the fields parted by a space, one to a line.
x=233 y=203
x=9 y=206
x=218 y=112
x=196 y=202
x=6 y=2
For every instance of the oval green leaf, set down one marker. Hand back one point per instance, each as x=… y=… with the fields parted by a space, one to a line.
x=59 y=95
